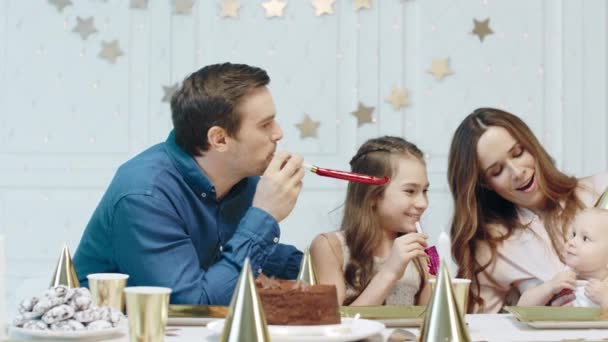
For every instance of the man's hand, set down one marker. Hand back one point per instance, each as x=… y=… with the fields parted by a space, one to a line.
x=280 y=185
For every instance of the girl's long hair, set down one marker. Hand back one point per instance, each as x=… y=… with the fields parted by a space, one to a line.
x=360 y=223
x=476 y=206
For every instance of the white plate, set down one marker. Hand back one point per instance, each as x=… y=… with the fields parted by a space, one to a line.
x=400 y=322
x=568 y=324
x=83 y=335
x=349 y=330
x=190 y=321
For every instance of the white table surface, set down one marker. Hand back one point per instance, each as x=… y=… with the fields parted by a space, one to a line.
x=485 y=327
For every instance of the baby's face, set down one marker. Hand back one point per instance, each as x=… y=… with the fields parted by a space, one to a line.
x=587 y=248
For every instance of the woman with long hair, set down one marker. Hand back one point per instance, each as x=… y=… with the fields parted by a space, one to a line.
x=512 y=208
x=377 y=257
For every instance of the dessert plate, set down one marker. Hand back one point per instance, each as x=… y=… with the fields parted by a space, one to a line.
x=195 y=315
x=548 y=317
x=82 y=335
x=390 y=315
x=351 y=329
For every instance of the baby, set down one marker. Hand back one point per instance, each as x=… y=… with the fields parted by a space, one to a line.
x=587 y=258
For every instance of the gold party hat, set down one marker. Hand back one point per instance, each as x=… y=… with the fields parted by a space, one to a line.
x=64 y=272
x=307 y=270
x=602 y=202
x=245 y=320
x=443 y=321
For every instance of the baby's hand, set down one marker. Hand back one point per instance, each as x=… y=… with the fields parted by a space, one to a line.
x=597 y=291
x=563 y=280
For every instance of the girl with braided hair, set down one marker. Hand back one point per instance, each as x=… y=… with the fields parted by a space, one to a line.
x=377 y=257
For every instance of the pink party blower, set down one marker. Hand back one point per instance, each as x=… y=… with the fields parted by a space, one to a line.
x=432 y=253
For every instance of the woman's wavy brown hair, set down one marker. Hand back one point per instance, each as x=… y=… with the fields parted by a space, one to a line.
x=376 y=157
x=477 y=206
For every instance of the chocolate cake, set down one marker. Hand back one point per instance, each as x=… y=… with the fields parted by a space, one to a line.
x=288 y=302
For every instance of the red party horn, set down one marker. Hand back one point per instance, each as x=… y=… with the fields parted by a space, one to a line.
x=349 y=176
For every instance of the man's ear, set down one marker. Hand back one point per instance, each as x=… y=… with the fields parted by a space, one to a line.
x=217 y=138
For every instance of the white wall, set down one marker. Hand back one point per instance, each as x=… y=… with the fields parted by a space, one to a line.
x=68 y=118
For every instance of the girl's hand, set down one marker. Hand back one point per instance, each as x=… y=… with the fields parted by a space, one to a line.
x=405 y=248
x=597 y=291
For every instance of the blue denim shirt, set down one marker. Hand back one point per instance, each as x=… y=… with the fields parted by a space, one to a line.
x=161 y=223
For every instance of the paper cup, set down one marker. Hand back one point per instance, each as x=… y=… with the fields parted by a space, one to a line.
x=107 y=289
x=147 y=311
x=461 y=292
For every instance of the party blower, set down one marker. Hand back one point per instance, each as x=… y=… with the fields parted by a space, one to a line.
x=349 y=176
x=432 y=253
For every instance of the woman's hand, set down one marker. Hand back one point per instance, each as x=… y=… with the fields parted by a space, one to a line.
x=563 y=280
x=405 y=248
x=597 y=291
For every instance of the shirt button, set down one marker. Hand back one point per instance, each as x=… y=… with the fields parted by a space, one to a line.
x=203 y=195
x=260 y=270
x=221 y=248
x=275 y=240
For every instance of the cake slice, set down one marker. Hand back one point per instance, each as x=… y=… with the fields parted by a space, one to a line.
x=288 y=302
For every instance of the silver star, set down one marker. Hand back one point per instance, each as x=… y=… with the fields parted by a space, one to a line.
x=230 y=9
x=323 y=7
x=274 y=8
x=183 y=6
x=169 y=91
x=308 y=127
x=110 y=51
x=85 y=27
x=142 y=4
x=60 y=4
x=398 y=98
x=482 y=29
x=363 y=114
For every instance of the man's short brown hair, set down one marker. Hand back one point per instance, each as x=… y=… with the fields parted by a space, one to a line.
x=209 y=97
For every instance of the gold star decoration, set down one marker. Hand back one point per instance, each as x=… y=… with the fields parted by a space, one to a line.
x=482 y=29
x=141 y=4
x=323 y=7
x=360 y=4
x=308 y=127
x=230 y=8
x=398 y=98
x=169 y=91
x=183 y=6
x=84 y=27
x=363 y=114
x=60 y=4
x=441 y=68
x=110 y=51
x=274 y=8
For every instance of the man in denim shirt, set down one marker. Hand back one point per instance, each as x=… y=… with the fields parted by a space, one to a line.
x=185 y=213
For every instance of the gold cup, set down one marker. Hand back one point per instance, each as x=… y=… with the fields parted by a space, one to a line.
x=107 y=289
x=461 y=292
x=147 y=310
